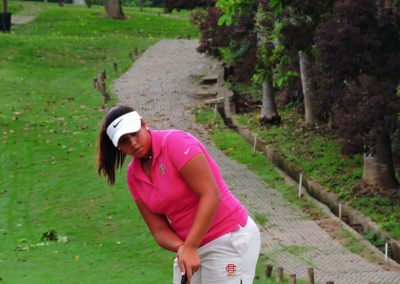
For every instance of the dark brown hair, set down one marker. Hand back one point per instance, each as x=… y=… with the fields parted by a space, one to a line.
x=109 y=157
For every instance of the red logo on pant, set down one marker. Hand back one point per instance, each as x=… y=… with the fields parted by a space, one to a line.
x=230 y=268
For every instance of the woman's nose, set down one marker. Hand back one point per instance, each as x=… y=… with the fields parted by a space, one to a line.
x=132 y=140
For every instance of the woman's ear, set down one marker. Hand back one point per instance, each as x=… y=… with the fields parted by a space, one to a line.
x=144 y=124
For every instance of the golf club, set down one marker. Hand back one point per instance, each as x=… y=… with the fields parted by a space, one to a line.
x=184 y=279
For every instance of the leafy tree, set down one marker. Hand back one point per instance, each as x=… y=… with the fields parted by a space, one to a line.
x=302 y=20
x=359 y=48
x=268 y=55
x=240 y=55
x=232 y=38
x=212 y=36
x=233 y=13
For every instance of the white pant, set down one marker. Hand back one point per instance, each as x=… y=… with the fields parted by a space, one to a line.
x=228 y=259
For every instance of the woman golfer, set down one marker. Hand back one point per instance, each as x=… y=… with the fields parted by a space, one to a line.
x=183 y=199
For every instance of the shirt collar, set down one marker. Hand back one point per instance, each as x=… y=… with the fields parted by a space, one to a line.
x=155 y=143
x=156 y=139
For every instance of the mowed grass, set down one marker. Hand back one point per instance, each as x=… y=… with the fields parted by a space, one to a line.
x=50 y=116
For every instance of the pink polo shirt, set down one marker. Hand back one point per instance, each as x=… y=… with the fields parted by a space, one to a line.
x=168 y=193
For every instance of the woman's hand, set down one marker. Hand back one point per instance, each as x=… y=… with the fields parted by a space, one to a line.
x=188 y=260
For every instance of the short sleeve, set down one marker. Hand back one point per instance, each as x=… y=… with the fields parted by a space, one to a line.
x=181 y=147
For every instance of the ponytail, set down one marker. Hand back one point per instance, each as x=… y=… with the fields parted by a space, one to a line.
x=109 y=157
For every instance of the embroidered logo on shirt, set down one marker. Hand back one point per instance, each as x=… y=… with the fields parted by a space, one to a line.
x=162 y=169
x=187 y=151
x=231 y=268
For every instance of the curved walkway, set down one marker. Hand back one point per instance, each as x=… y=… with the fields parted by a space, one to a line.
x=154 y=85
x=27 y=14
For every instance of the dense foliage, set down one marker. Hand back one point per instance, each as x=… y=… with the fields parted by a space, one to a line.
x=170 y=5
x=301 y=22
x=235 y=41
x=361 y=70
x=352 y=60
x=274 y=61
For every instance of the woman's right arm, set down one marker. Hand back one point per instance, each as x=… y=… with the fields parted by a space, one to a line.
x=159 y=228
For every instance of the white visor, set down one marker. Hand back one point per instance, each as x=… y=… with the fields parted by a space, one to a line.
x=127 y=123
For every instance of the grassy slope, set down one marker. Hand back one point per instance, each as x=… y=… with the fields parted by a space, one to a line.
x=49 y=119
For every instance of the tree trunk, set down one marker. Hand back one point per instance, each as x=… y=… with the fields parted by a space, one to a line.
x=5 y=6
x=114 y=10
x=307 y=85
x=378 y=166
x=269 y=112
x=168 y=6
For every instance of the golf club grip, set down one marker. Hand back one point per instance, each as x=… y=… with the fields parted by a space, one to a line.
x=184 y=279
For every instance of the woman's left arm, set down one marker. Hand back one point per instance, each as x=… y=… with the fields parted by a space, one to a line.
x=197 y=174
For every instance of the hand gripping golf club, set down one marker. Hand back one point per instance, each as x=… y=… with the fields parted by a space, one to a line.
x=184 y=279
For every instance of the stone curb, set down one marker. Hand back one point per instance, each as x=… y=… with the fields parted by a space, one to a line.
x=320 y=196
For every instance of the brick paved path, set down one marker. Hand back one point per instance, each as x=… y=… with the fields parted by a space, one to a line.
x=153 y=86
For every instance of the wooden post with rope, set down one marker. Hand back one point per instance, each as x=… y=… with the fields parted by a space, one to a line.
x=100 y=85
x=279 y=274
x=268 y=271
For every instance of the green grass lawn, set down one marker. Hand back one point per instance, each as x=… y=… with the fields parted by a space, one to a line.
x=50 y=116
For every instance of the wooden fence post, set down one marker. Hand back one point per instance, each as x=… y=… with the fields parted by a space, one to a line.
x=310 y=272
x=292 y=279
x=268 y=271
x=279 y=274
x=100 y=85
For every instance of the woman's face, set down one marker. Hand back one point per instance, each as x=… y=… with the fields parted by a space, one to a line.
x=136 y=144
